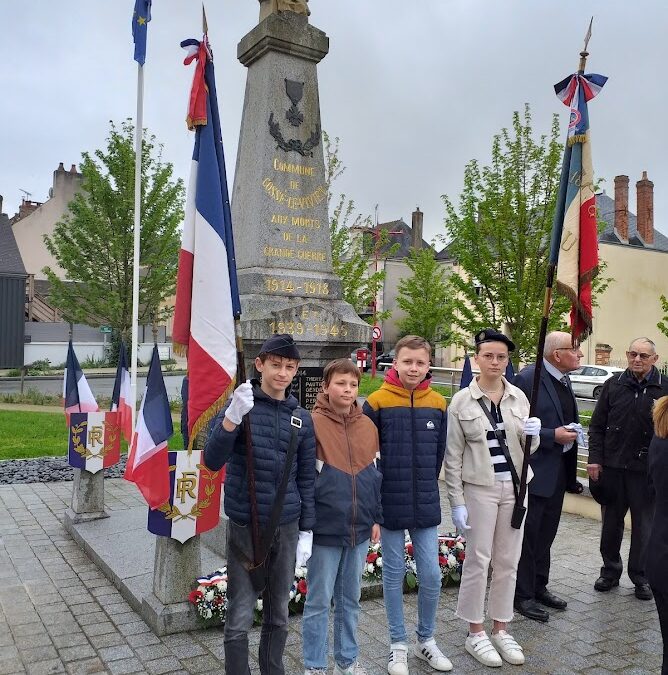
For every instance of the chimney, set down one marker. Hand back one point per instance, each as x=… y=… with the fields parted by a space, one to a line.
x=621 y=223
x=0 y=205
x=417 y=228
x=645 y=208
x=73 y=169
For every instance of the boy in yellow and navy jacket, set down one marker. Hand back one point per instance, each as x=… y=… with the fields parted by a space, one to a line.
x=412 y=424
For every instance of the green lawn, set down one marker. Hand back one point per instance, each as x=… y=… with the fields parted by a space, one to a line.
x=37 y=434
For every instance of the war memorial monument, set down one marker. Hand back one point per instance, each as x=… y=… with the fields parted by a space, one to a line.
x=286 y=283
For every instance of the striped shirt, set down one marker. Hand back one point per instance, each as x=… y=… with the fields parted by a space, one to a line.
x=501 y=468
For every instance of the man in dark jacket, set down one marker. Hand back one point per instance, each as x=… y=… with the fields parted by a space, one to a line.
x=276 y=422
x=554 y=467
x=619 y=436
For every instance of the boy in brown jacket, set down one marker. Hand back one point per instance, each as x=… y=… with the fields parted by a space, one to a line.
x=348 y=512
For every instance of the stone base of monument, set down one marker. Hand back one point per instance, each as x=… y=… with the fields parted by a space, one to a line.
x=125 y=552
x=87 y=497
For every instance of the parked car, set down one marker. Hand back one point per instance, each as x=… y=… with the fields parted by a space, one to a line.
x=587 y=381
x=384 y=361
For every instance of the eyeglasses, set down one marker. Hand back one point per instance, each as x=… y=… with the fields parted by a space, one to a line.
x=574 y=350
x=643 y=356
x=501 y=358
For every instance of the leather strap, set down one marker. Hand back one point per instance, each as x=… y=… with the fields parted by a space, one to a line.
x=504 y=447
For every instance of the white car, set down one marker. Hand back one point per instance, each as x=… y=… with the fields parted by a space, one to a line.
x=587 y=381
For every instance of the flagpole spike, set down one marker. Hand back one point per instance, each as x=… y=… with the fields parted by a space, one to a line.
x=584 y=53
x=205 y=27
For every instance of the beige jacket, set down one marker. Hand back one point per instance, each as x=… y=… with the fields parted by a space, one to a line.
x=467 y=458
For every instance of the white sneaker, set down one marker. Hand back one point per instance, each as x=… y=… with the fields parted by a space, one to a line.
x=315 y=671
x=508 y=648
x=398 y=661
x=352 y=669
x=481 y=649
x=428 y=651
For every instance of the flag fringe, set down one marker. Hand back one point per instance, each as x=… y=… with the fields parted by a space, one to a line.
x=585 y=317
x=179 y=348
x=204 y=419
x=578 y=138
x=196 y=122
x=588 y=277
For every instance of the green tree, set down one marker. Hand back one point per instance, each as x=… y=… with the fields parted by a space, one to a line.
x=425 y=296
x=353 y=248
x=500 y=237
x=663 y=324
x=94 y=242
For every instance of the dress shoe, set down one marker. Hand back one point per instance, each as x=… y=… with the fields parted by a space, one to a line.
x=531 y=610
x=604 y=584
x=551 y=600
x=643 y=592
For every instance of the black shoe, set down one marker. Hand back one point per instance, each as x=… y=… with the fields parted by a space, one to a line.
x=643 y=592
x=551 y=600
x=531 y=610
x=604 y=584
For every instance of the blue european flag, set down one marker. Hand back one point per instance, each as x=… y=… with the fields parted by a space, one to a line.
x=140 y=19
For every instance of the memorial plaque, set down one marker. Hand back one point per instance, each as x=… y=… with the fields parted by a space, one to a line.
x=279 y=200
x=306 y=386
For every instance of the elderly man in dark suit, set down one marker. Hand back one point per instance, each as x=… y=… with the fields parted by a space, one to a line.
x=554 y=467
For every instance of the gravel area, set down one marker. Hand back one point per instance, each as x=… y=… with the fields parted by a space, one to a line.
x=47 y=470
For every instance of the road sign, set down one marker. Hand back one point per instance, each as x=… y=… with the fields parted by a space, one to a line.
x=105 y=329
x=376 y=333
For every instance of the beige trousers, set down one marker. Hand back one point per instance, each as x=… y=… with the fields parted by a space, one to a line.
x=491 y=538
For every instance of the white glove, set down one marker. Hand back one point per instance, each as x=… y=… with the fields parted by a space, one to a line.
x=460 y=517
x=242 y=402
x=304 y=546
x=531 y=426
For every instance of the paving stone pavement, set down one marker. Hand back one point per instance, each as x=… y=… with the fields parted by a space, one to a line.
x=59 y=614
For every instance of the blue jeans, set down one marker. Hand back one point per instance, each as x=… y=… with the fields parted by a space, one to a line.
x=241 y=598
x=425 y=552
x=333 y=573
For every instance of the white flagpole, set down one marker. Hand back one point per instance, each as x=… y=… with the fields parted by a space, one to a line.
x=139 y=127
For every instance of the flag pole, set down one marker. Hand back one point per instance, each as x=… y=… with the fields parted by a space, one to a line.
x=139 y=127
x=557 y=224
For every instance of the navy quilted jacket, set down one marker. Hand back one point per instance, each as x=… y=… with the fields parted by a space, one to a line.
x=271 y=430
x=412 y=428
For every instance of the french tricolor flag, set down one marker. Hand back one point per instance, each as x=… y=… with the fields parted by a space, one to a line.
x=77 y=396
x=148 y=465
x=207 y=296
x=120 y=399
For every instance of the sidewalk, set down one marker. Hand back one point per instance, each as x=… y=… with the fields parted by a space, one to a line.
x=58 y=613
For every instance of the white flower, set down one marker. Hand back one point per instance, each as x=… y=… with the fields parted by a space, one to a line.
x=369 y=568
x=258 y=604
x=379 y=561
x=298 y=597
x=208 y=614
x=222 y=585
x=208 y=596
x=292 y=595
x=452 y=561
x=459 y=546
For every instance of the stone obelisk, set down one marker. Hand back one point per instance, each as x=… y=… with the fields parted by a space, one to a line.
x=279 y=202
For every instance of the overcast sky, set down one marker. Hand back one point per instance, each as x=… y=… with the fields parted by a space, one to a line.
x=414 y=88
